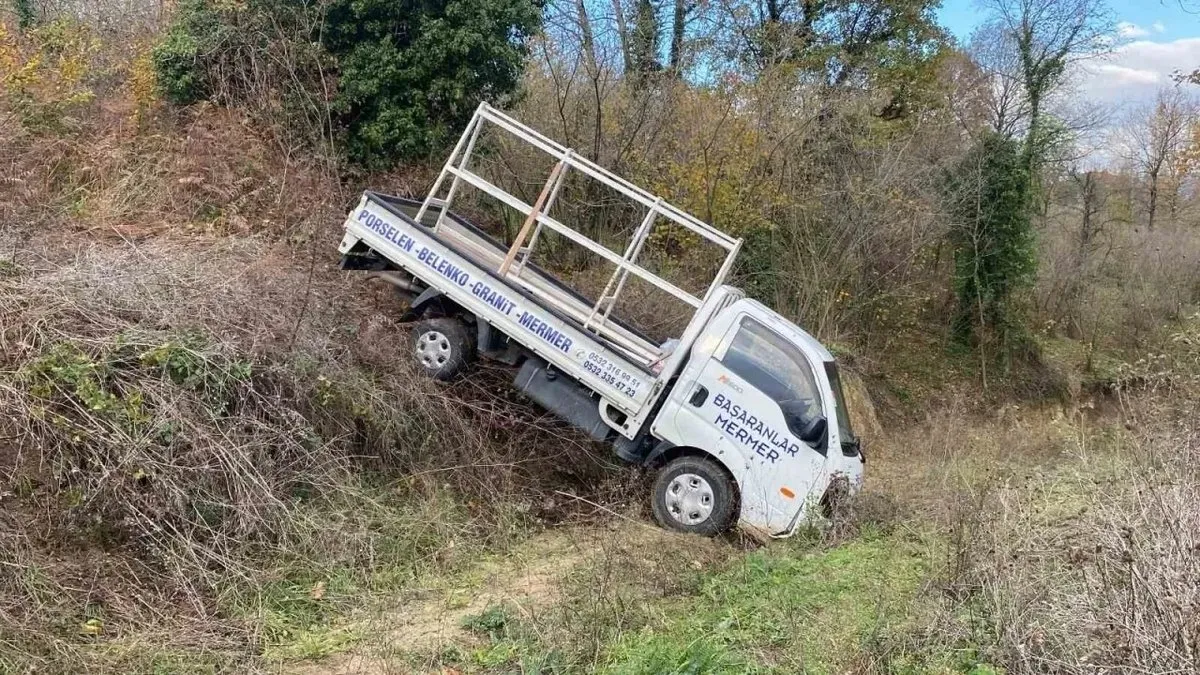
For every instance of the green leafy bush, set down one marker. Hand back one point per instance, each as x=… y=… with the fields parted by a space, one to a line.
x=409 y=74
x=177 y=61
x=26 y=14
x=262 y=55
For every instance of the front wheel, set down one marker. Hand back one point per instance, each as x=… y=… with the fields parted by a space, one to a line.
x=442 y=347
x=693 y=494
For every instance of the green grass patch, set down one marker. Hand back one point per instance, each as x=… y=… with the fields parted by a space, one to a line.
x=780 y=610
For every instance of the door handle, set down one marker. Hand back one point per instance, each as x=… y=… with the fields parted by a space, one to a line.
x=699 y=396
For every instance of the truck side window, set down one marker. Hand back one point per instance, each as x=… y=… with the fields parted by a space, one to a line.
x=777 y=368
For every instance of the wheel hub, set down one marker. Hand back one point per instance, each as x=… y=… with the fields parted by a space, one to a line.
x=689 y=499
x=433 y=349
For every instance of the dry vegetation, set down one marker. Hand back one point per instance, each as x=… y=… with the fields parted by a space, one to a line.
x=214 y=456
x=193 y=421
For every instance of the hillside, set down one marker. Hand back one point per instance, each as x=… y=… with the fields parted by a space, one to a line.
x=217 y=456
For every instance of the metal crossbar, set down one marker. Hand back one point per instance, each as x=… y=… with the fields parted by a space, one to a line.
x=537 y=215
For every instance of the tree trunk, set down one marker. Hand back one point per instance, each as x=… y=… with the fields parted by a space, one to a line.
x=622 y=30
x=1032 y=142
x=676 y=59
x=587 y=39
x=643 y=41
x=1153 y=205
x=1090 y=209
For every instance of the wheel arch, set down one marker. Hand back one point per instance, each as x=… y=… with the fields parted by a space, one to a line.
x=433 y=303
x=667 y=451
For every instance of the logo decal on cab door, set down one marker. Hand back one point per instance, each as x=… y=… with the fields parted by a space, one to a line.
x=724 y=379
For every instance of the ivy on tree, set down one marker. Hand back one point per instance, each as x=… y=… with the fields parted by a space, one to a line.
x=25 y=13
x=994 y=256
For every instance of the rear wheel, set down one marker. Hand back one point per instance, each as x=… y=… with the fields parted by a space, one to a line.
x=693 y=494
x=443 y=347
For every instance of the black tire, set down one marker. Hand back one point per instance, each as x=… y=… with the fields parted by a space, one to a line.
x=442 y=348
x=680 y=492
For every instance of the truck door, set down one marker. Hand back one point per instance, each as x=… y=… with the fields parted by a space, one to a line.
x=759 y=397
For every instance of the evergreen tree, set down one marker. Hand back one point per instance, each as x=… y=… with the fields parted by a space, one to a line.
x=643 y=41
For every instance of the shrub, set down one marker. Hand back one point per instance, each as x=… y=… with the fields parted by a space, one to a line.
x=46 y=75
x=411 y=73
x=25 y=13
x=260 y=55
x=177 y=58
x=179 y=434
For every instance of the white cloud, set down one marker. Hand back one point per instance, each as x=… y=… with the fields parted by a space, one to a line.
x=1131 y=30
x=1130 y=76
x=1113 y=75
x=1159 y=27
x=1134 y=72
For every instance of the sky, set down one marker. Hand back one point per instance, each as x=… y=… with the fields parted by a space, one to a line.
x=1158 y=20
x=1154 y=39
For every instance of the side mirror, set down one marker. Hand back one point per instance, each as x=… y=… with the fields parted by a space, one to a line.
x=814 y=430
x=808 y=428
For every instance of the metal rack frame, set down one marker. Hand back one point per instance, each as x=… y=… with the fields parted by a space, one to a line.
x=537 y=215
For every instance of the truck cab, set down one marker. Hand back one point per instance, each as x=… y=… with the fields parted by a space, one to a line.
x=763 y=398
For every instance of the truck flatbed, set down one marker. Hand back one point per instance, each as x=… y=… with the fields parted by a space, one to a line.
x=470 y=241
x=458 y=260
x=504 y=288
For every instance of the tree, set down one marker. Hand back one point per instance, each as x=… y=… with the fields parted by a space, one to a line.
x=1155 y=138
x=891 y=45
x=587 y=39
x=1027 y=47
x=1079 y=267
x=987 y=197
x=643 y=41
x=1040 y=38
x=622 y=30
x=992 y=48
x=411 y=73
x=966 y=91
x=679 y=21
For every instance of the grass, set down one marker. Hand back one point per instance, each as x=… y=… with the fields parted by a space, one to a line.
x=210 y=486
x=948 y=583
x=782 y=611
x=796 y=606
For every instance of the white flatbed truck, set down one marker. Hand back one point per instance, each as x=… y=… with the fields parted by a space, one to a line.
x=742 y=415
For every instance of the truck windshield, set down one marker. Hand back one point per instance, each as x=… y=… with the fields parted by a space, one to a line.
x=777 y=368
x=845 y=432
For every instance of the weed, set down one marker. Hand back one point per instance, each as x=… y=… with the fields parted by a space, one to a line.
x=809 y=612
x=491 y=622
x=666 y=654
